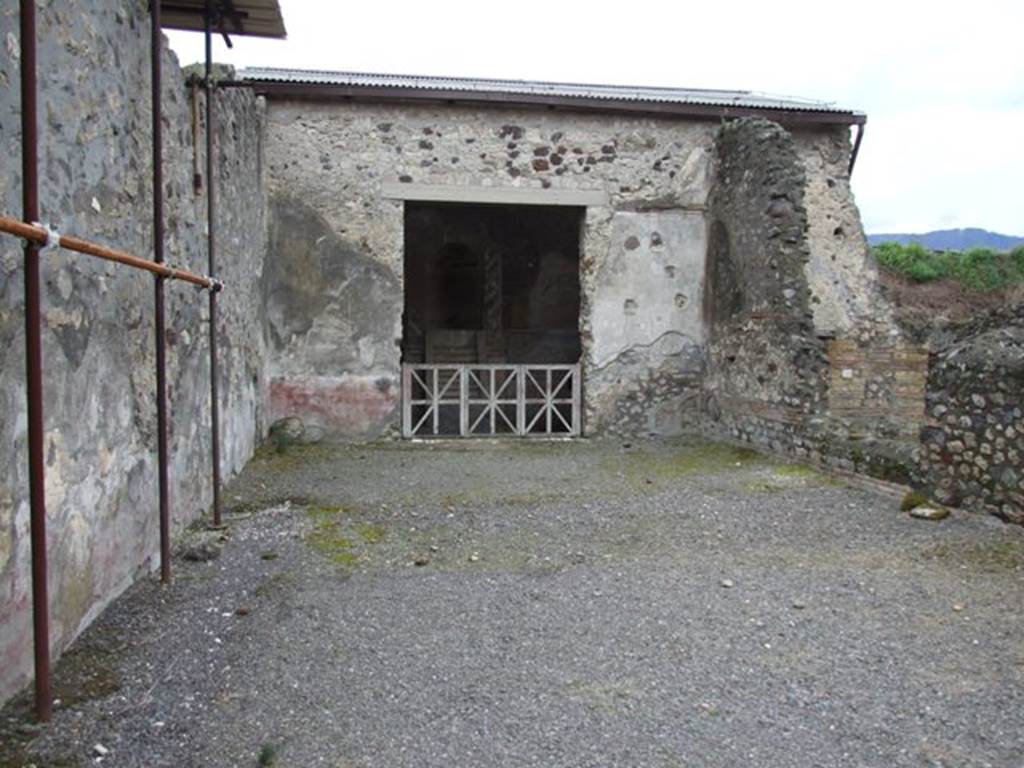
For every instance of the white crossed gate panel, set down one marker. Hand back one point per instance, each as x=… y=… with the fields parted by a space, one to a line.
x=490 y=400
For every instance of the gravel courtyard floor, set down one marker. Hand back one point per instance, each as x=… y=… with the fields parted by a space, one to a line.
x=672 y=603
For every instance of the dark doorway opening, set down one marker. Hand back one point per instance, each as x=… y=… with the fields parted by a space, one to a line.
x=491 y=284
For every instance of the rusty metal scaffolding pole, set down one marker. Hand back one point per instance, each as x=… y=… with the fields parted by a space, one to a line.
x=211 y=248
x=34 y=364
x=41 y=236
x=159 y=311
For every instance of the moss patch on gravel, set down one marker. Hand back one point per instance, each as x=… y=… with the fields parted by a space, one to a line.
x=708 y=458
x=607 y=697
x=371 y=534
x=993 y=557
x=340 y=538
x=788 y=476
x=273 y=461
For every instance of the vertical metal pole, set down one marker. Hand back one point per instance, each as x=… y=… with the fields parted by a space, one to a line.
x=435 y=395
x=211 y=242
x=463 y=402
x=577 y=405
x=34 y=364
x=494 y=405
x=549 y=396
x=406 y=398
x=158 y=287
x=519 y=372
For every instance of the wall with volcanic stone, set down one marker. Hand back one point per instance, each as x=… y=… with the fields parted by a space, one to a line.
x=972 y=451
x=98 y=347
x=336 y=228
x=800 y=358
x=768 y=370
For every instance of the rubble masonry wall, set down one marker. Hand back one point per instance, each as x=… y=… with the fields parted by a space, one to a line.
x=98 y=347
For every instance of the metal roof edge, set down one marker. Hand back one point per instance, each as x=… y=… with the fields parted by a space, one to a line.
x=791 y=112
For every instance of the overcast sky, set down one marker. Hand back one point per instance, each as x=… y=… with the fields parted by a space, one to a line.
x=942 y=83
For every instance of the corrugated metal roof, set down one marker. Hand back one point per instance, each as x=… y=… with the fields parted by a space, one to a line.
x=256 y=18
x=610 y=93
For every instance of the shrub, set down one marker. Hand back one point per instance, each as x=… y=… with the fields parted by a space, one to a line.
x=913 y=260
x=983 y=269
x=980 y=269
x=1017 y=259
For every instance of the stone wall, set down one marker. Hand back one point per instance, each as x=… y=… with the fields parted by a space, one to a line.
x=972 y=451
x=98 y=348
x=767 y=374
x=802 y=360
x=337 y=352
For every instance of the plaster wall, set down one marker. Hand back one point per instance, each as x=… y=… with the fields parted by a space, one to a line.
x=843 y=278
x=331 y=168
x=98 y=347
x=647 y=321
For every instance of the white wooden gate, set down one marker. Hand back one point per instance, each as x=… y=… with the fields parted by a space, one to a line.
x=454 y=400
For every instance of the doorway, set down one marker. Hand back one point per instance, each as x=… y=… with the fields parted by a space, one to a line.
x=490 y=331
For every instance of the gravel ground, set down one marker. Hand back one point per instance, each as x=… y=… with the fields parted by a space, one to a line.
x=670 y=603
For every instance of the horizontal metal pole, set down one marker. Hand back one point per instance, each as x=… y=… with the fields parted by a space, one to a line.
x=563 y=367
x=40 y=235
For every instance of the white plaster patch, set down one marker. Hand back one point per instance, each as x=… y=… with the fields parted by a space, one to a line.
x=56 y=465
x=56 y=317
x=648 y=291
x=6 y=526
x=367 y=353
x=64 y=285
x=13 y=46
x=694 y=176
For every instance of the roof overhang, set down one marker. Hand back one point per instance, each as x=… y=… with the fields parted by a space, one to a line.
x=681 y=103
x=320 y=92
x=252 y=18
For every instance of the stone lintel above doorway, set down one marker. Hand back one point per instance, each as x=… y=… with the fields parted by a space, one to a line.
x=498 y=195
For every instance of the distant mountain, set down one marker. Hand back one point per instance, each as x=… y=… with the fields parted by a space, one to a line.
x=953 y=240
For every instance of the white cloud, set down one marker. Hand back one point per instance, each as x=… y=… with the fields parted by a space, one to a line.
x=943 y=84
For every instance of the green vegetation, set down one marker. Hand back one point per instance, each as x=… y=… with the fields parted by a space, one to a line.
x=645 y=468
x=267 y=756
x=912 y=500
x=980 y=269
x=996 y=556
x=327 y=536
x=371 y=534
x=340 y=538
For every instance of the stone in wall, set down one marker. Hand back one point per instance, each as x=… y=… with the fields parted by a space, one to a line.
x=972 y=451
x=98 y=350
